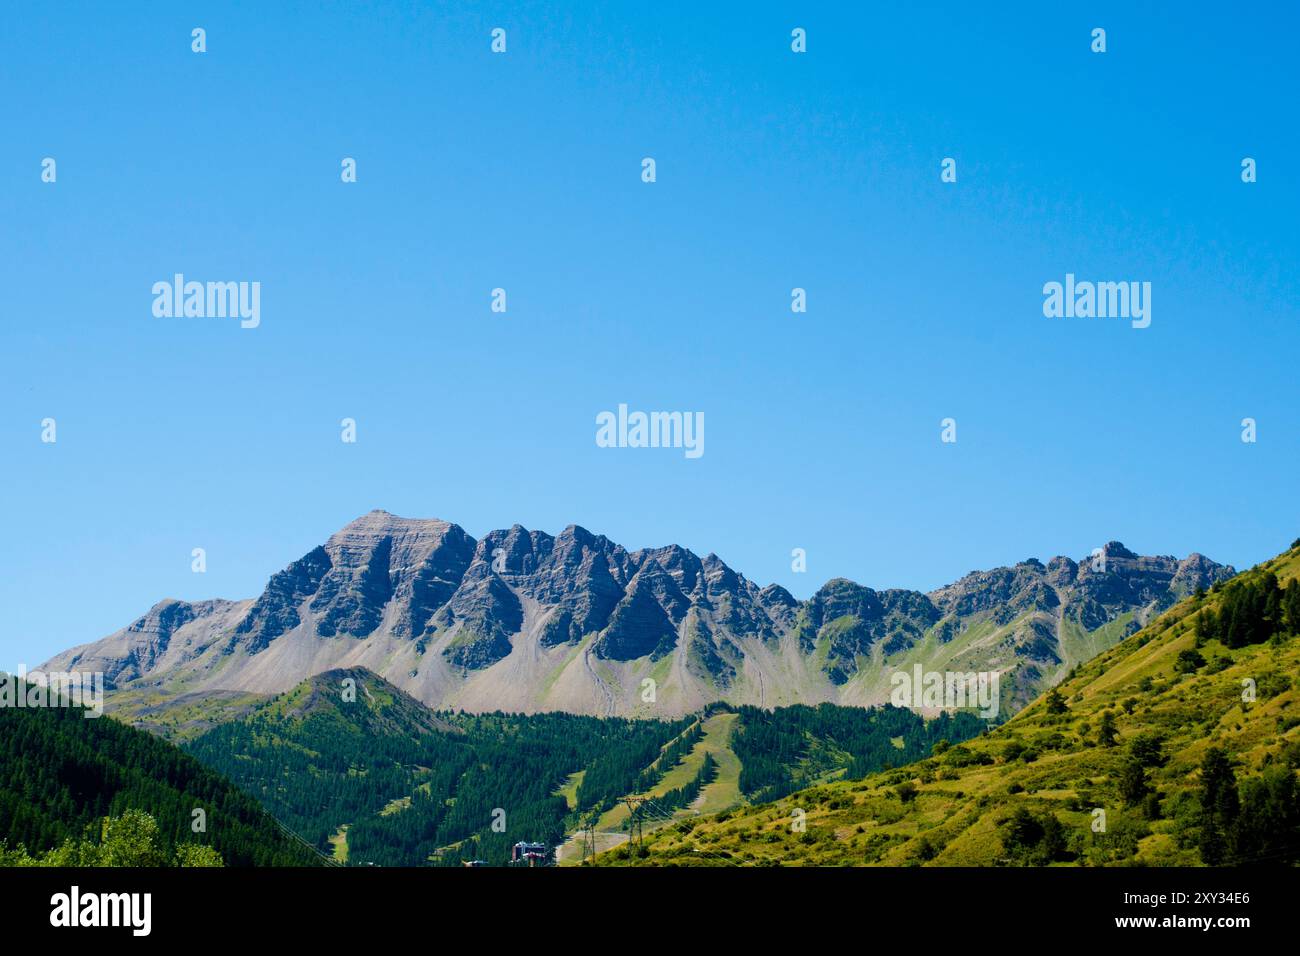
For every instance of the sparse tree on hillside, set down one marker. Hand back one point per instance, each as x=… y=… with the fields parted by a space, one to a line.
x=1034 y=841
x=1055 y=703
x=1107 y=732
x=1148 y=750
x=1133 y=783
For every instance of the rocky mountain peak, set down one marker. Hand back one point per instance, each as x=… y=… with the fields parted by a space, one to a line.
x=1115 y=549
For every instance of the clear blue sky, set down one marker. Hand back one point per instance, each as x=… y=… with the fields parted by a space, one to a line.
x=522 y=170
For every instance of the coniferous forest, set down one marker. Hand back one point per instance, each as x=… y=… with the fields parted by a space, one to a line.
x=1251 y=612
x=791 y=747
x=61 y=774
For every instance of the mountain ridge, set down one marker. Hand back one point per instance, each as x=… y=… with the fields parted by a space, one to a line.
x=524 y=620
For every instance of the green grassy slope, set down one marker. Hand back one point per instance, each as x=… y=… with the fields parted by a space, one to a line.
x=182 y=718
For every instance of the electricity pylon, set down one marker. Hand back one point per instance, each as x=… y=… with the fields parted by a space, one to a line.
x=636 y=829
x=589 y=837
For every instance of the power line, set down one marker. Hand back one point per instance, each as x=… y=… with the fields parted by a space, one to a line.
x=327 y=860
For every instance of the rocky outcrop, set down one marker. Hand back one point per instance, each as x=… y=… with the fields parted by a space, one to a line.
x=276 y=611
x=644 y=624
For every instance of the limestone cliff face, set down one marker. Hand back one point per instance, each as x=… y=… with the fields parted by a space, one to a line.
x=521 y=620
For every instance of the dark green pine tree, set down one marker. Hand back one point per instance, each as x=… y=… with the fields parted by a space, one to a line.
x=1267 y=829
x=1207 y=626
x=1133 y=783
x=1291 y=606
x=1219 y=806
x=1107 y=732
